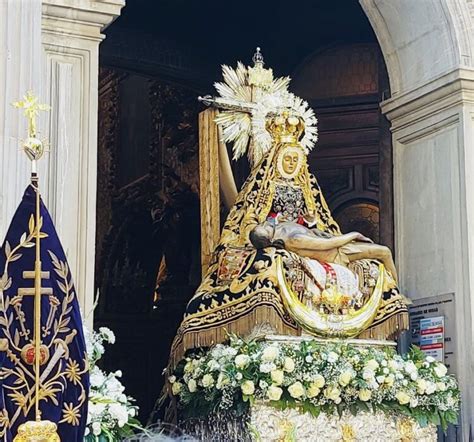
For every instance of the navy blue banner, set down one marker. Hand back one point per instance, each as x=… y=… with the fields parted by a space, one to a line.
x=64 y=379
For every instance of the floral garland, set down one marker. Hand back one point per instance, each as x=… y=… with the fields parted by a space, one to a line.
x=111 y=415
x=316 y=377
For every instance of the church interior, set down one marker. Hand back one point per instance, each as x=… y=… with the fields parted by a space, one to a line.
x=157 y=58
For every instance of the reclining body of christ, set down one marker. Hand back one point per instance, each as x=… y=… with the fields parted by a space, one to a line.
x=315 y=244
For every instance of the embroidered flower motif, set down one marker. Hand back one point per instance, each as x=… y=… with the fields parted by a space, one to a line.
x=71 y=414
x=73 y=372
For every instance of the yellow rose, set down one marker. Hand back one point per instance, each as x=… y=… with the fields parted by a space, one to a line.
x=390 y=379
x=440 y=370
x=365 y=395
x=296 y=390
x=207 y=381
x=188 y=367
x=270 y=353
x=248 y=388
x=344 y=378
x=176 y=388
x=277 y=376
x=241 y=361
x=319 y=381
x=313 y=390
x=274 y=393
x=402 y=398
x=421 y=386
x=372 y=365
x=289 y=365
x=332 y=393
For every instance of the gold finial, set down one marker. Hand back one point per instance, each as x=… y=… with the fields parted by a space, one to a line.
x=33 y=146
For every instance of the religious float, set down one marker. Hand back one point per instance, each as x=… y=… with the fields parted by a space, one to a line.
x=290 y=335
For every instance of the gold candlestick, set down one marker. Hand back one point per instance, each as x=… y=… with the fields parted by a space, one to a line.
x=37 y=430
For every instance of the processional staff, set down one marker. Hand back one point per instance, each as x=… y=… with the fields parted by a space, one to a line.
x=34 y=149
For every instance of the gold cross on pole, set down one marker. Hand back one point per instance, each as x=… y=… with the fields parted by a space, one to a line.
x=31 y=109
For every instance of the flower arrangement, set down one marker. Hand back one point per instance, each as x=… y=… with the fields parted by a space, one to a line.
x=316 y=377
x=111 y=414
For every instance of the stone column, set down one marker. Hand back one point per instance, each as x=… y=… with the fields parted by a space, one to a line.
x=433 y=145
x=20 y=70
x=71 y=34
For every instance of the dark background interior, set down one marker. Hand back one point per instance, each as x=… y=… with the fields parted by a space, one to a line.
x=156 y=58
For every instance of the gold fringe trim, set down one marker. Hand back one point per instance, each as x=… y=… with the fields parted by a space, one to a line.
x=390 y=328
x=240 y=326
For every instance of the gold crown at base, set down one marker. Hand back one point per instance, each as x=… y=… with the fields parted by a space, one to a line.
x=285 y=127
x=37 y=431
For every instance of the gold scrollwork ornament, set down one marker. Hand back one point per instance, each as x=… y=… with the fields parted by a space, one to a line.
x=37 y=431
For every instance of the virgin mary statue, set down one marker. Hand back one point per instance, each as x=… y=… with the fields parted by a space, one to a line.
x=241 y=291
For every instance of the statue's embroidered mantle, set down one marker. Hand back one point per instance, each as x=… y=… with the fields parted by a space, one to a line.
x=240 y=290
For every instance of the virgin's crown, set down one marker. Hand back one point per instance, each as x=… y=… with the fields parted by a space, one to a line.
x=285 y=127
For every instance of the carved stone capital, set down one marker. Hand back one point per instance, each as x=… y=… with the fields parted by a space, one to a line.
x=84 y=18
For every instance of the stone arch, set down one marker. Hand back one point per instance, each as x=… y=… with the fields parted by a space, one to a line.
x=406 y=31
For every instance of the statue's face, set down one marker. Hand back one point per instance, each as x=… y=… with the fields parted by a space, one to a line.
x=290 y=162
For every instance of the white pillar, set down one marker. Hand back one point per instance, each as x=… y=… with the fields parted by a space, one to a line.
x=433 y=145
x=71 y=34
x=52 y=48
x=20 y=70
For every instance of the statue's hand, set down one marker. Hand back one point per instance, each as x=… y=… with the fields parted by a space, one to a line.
x=363 y=238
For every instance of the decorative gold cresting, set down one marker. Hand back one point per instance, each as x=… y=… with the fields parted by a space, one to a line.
x=37 y=430
x=285 y=128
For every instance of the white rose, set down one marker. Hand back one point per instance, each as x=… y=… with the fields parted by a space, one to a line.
x=393 y=365
x=413 y=402
x=441 y=386
x=372 y=364
x=248 y=388
x=188 y=368
x=380 y=379
x=267 y=367
x=207 y=381
x=332 y=393
x=345 y=378
x=192 y=385
x=410 y=367
x=365 y=395
x=430 y=359
x=319 y=381
x=176 y=388
x=270 y=353
x=296 y=390
x=430 y=387
x=289 y=365
x=414 y=376
x=172 y=379
x=274 y=393
x=440 y=370
x=241 y=361
x=277 y=376
x=238 y=376
x=402 y=397
x=368 y=374
x=96 y=428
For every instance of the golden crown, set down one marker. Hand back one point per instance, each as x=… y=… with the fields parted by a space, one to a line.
x=285 y=127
